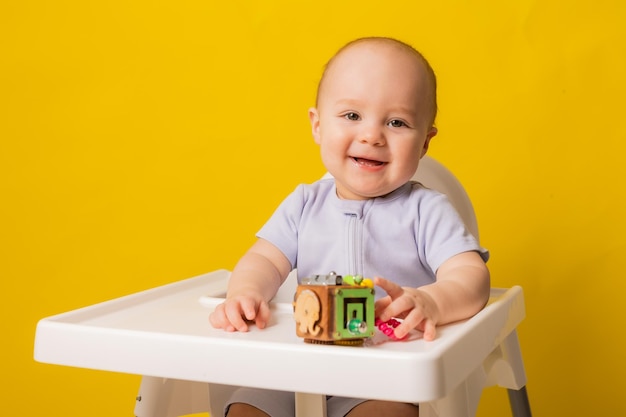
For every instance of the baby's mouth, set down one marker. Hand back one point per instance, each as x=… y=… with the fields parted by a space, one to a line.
x=367 y=162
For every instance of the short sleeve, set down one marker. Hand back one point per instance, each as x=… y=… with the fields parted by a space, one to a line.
x=281 y=229
x=444 y=233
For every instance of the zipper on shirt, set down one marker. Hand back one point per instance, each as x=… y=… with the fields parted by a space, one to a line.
x=354 y=242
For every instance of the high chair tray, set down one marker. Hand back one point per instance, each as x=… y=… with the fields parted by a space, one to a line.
x=164 y=332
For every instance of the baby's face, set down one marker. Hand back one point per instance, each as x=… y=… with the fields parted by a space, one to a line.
x=373 y=119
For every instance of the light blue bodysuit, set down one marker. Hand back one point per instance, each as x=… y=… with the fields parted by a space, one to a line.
x=404 y=236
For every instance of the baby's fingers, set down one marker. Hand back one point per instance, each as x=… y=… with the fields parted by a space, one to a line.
x=391 y=288
x=430 y=330
x=218 y=319
x=398 y=308
x=262 y=315
x=417 y=320
x=235 y=315
x=248 y=309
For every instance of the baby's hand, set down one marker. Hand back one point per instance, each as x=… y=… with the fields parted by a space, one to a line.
x=235 y=313
x=417 y=309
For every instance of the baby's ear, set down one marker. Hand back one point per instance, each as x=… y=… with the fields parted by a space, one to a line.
x=314 y=118
x=431 y=133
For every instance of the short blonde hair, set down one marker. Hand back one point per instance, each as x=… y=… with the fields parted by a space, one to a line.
x=430 y=73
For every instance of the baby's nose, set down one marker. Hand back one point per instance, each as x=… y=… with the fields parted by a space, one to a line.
x=372 y=135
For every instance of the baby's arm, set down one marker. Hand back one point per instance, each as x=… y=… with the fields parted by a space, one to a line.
x=461 y=290
x=252 y=284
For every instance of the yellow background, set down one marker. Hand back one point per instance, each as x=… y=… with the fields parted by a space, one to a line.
x=145 y=142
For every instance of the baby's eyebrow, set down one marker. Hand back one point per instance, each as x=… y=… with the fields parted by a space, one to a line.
x=403 y=110
x=348 y=102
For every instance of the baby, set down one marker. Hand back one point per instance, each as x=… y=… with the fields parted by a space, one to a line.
x=373 y=120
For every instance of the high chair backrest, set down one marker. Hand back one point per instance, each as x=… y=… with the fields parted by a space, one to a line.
x=434 y=175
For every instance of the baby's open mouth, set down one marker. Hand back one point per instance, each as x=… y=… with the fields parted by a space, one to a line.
x=368 y=162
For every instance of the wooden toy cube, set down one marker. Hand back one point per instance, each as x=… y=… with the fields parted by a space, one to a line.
x=327 y=312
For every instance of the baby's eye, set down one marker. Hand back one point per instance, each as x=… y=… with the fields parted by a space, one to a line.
x=397 y=123
x=351 y=116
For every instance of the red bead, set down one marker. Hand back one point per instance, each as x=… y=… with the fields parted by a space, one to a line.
x=388 y=328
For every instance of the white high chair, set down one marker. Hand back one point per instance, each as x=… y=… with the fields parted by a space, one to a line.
x=164 y=335
x=173 y=398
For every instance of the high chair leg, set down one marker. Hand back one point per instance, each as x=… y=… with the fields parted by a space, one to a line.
x=520 y=406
